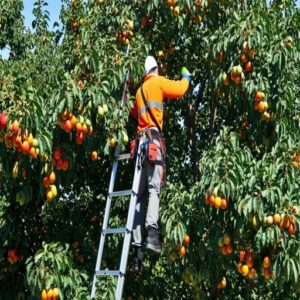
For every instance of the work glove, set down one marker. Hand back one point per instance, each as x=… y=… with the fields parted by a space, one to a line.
x=186 y=74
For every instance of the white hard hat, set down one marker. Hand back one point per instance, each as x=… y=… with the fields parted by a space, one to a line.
x=150 y=63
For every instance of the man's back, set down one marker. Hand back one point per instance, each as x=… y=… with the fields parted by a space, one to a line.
x=155 y=89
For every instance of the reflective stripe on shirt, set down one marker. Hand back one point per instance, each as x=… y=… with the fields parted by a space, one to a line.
x=150 y=104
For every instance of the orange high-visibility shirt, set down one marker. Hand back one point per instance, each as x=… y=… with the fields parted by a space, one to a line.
x=156 y=88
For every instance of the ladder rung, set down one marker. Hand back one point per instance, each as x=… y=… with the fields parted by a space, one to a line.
x=115 y=230
x=123 y=156
x=120 y=193
x=109 y=273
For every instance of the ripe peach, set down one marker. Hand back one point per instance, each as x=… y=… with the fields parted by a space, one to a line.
x=187 y=240
x=65 y=165
x=292 y=229
x=242 y=255
x=223 y=283
x=15 y=126
x=252 y=273
x=266 y=262
x=248 y=67
x=212 y=200
x=79 y=138
x=49 y=195
x=25 y=147
x=57 y=154
x=239 y=267
x=229 y=249
x=267 y=274
x=224 y=204
x=32 y=152
x=46 y=182
x=259 y=96
x=224 y=250
x=249 y=260
x=44 y=295
x=182 y=251
x=227 y=239
x=245 y=270
x=59 y=164
x=217 y=202
x=52 y=177
x=68 y=126
x=276 y=219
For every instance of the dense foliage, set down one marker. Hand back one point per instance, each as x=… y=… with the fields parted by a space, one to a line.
x=230 y=211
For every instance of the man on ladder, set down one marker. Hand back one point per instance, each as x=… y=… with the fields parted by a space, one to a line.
x=148 y=110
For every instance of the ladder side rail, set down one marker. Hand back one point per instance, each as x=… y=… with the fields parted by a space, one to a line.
x=129 y=224
x=105 y=221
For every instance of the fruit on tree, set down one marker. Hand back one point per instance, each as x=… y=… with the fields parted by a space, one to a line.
x=160 y=54
x=259 y=96
x=55 y=293
x=176 y=11
x=52 y=177
x=53 y=190
x=267 y=116
x=3 y=120
x=252 y=273
x=266 y=262
x=261 y=106
x=112 y=142
x=276 y=219
x=186 y=240
x=49 y=195
x=227 y=239
x=57 y=154
x=50 y=294
x=224 y=203
x=269 y=220
x=242 y=256
x=15 y=126
x=182 y=251
x=248 y=67
x=245 y=270
x=94 y=155
x=218 y=202
x=229 y=248
x=44 y=295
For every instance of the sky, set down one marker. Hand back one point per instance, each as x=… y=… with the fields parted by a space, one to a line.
x=53 y=7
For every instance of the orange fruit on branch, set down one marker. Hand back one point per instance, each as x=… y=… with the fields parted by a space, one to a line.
x=57 y=154
x=44 y=295
x=248 y=67
x=186 y=240
x=259 y=96
x=267 y=262
x=245 y=270
x=15 y=126
x=52 y=177
x=65 y=165
x=227 y=239
x=94 y=155
x=182 y=251
x=224 y=204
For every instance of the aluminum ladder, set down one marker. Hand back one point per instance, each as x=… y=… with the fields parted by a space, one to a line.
x=120 y=273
